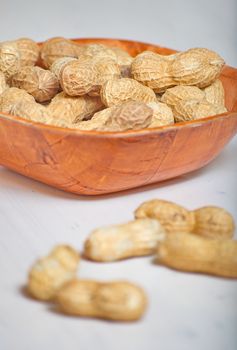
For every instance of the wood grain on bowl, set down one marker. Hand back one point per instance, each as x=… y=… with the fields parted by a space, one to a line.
x=92 y=163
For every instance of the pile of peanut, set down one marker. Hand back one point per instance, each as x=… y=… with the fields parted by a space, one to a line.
x=97 y=87
x=196 y=241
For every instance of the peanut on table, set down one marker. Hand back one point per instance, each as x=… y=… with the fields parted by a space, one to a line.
x=195 y=241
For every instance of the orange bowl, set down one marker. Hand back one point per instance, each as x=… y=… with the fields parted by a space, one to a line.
x=92 y=163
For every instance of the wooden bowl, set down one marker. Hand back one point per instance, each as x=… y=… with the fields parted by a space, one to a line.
x=92 y=163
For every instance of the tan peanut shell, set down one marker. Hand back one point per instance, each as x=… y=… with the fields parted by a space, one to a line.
x=73 y=109
x=162 y=114
x=40 y=83
x=189 y=252
x=58 y=65
x=9 y=59
x=99 y=51
x=115 y=92
x=106 y=69
x=30 y=110
x=136 y=238
x=124 y=61
x=78 y=78
x=153 y=70
x=50 y=273
x=215 y=93
x=195 y=109
x=28 y=50
x=173 y=217
x=3 y=83
x=198 y=66
x=213 y=222
x=182 y=92
x=97 y=122
x=58 y=47
x=131 y=115
x=118 y=300
x=11 y=96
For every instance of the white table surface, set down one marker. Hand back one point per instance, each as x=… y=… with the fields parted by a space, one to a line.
x=186 y=311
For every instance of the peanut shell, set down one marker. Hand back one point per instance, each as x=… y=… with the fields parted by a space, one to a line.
x=118 y=300
x=11 y=96
x=73 y=109
x=173 y=217
x=195 y=109
x=78 y=78
x=49 y=274
x=29 y=51
x=115 y=92
x=3 y=83
x=30 y=110
x=215 y=93
x=152 y=70
x=189 y=252
x=58 y=47
x=40 y=83
x=213 y=222
x=136 y=238
x=162 y=114
x=182 y=92
x=9 y=59
x=197 y=66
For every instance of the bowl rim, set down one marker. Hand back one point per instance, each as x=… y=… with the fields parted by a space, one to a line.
x=160 y=129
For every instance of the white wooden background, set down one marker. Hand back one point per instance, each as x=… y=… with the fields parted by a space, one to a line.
x=186 y=311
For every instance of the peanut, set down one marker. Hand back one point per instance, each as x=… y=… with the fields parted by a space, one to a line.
x=152 y=70
x=215 y=93
x=190 y=102
x=118 y=300
x=188 y=252
x=115 y=92
x=31 y=111
x=194 y=109
x=207 y=221
x=9 y=59
x=50 y=273
x=171 y=216
x=106 y=69
x=11 y=96
x=73 y=109
x=162 y=114
x=3 y=83
x=124 y=61
x=97 y=122
x=102 y=52
x=180 y=93
x=58 y=47
x=199 y=67
x=28 y=50
x=99 y=51
x=78 y=78
x=131 y=115
x=59 y=64
x=213 y=222
x=87 y=75
x=40 y=83
x=136 y=238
